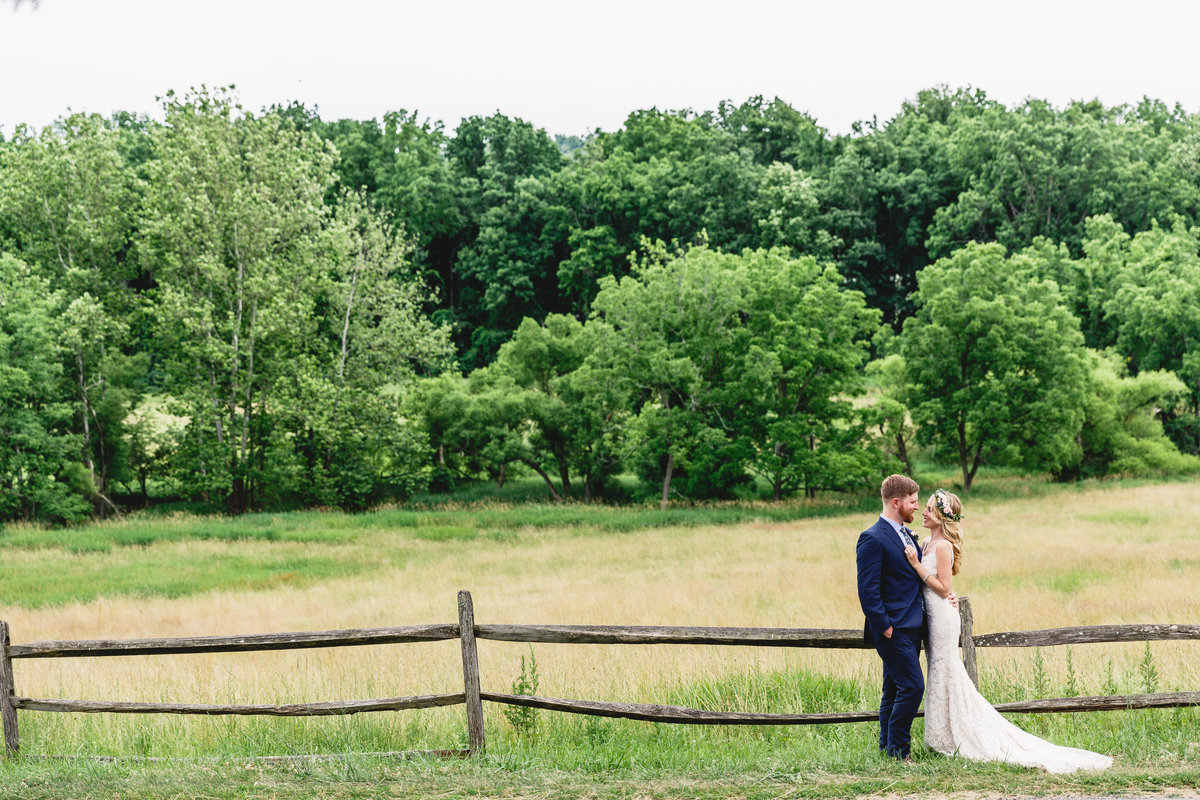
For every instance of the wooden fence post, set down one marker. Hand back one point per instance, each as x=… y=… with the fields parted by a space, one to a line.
x=966 y=640
x=8 y=711
x=470 y=659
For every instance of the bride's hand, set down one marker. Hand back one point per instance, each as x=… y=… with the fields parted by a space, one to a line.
x=910 y=553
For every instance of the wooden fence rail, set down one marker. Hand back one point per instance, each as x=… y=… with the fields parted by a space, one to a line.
x=234 y=644
x=468 y=632
x=657 y=634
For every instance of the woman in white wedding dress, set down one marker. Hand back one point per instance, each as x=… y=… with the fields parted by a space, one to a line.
x=958 y=720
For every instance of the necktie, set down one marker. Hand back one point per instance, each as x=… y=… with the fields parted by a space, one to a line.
x=905 y=533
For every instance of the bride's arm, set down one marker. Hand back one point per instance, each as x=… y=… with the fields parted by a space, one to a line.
x=940 y=583
x=944 y=555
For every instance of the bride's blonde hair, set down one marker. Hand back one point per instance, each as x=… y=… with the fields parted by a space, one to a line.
x=948 y=510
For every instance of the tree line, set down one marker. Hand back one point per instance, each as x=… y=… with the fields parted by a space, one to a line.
x=266 y=310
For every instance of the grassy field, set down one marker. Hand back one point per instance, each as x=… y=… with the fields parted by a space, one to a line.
x=1036 y=555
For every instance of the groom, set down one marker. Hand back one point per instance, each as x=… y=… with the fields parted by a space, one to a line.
x=890 y=593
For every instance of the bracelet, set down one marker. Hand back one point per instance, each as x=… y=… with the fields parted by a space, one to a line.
x=927 y=577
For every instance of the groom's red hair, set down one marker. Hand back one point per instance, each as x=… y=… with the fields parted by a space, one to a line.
x=898 y=486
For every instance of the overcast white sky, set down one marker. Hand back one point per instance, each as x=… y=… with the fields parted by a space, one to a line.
x=574 y=67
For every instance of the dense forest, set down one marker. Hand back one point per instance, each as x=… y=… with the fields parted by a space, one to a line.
x=256 y=310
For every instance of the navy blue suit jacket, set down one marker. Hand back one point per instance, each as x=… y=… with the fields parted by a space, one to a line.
x=888 y=588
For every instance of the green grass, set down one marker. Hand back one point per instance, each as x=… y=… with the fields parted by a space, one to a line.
x=578 y=742
x=577 y=756
x=503 y=776
x=1132 y=517
x=146 y=557
x=139 y=556
x=567 y=755
x=341 y=544
x=47 y=578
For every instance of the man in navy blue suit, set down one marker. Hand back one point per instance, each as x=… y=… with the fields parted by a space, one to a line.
x=890 y=593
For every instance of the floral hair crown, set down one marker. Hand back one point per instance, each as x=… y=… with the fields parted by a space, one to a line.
x=943 y=505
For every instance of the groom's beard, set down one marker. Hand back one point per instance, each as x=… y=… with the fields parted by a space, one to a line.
x=908 y=518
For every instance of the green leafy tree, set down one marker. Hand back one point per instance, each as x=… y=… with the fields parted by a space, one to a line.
x=1122 y=433
x=887 y=417
x=479 y=425
x=340 y=402
x=506 y=270
x=39 y=476
x=995 y=362
x=882 y=187
x=73 y=199
x=1038 y=171
x=444 y=410
x=534 y=360
x=152 y=433
x=401 y=166
x=1156 y=309
x=675 y=324
x=233 y=215
x=805 y=345
x=575 y=406
x=104 y=385
x=785 y=208
x=774 y=132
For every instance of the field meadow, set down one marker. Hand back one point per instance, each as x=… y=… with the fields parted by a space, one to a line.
x=1035 y=556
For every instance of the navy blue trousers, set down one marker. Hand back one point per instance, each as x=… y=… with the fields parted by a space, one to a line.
x=903 y=686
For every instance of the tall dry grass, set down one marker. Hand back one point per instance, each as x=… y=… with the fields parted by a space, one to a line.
x=1071 y=558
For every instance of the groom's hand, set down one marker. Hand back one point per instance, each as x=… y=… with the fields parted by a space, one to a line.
x=888 y=633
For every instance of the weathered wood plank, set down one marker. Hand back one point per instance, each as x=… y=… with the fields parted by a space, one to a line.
x=1116 y=702
x=470 y=662
x=667 y=634
x=837 y=638
x=8 y=711
x=336 y=708
x=232 y=644
x=651 y=712
x=692 y=716
x=965 y=641
x=1088 y=634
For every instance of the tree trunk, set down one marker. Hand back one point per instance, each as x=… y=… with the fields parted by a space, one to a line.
x=962 y=454
x=237 y=489
x=549 y=483
x=116 y=511
x=343 y=355
x=87 y=413
x=974 y=468
x=667 y=481
x=237 y=493
x=810 y=491
x=902 y=454
x=245 y=458
x=564 y=476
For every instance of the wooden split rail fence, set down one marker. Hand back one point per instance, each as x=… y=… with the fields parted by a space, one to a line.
x=468 y=632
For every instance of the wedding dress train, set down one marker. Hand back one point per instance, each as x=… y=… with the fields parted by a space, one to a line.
x=959 y=721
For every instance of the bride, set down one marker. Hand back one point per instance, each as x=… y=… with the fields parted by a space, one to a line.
x=958 y=720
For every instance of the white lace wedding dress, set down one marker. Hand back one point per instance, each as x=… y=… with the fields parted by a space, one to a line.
x=959 y=721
